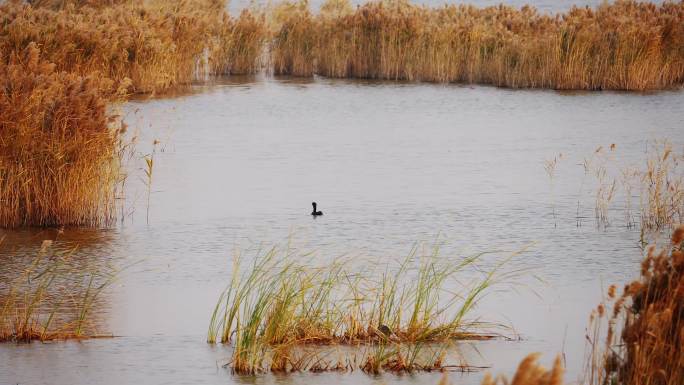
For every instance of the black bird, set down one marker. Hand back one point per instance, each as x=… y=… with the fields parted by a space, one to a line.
x=314 y=212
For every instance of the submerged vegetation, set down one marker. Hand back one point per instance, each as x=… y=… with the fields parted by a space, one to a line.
x=278 y=305
x=52 y=298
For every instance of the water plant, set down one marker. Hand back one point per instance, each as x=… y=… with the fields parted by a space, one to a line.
x=52 y=298
x=622 y=45
x=159 y=45
x=281 y=302
x=645 y=329
x=59 y=145
x=154 y=45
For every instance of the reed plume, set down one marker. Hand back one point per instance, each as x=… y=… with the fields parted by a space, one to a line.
x=59 y=147
x=645 y=329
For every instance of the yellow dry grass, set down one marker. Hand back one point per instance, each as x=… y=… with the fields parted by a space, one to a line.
x=157 y=45
x=625 y=45
x=645 y=330
x=59 y=147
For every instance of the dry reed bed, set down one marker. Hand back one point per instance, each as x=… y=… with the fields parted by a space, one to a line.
x=278 y=304
x=53 y=298
x=154 y=47
x=59 y=148
x=645 y=329
x=625 y=45
x=159 y=45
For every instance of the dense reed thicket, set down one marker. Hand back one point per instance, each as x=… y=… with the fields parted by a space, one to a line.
x=53 y=297
x=645 y=332
x=59 y=147
x=625 y=45
x=157 y=45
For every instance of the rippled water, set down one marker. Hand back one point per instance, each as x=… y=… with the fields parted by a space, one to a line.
x=390 y=164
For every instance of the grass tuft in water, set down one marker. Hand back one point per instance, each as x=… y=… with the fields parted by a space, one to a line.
x=279 y=303
x=53 y=298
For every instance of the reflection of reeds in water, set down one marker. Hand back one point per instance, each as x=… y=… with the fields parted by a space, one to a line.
x=645 y=330
x=53 y=297
x=59 y=148
x=279 y=304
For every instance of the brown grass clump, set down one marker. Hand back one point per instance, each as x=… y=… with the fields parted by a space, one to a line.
x=625 y=45
x=58 y=147
x=278 y=305
x=646 y=349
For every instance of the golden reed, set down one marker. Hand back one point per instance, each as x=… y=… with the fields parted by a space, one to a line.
x=645 y=331
x=58 y=147
x=625 y=45
x=157 y=45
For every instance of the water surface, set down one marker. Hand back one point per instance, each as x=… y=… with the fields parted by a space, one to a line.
x=390 y=164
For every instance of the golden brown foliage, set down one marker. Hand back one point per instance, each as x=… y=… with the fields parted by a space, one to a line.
x=531 y=373
x=158 y=45
x=58 y=154
x=647 y=349
x=625 y=45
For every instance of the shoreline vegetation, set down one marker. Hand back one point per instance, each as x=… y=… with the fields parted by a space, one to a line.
x=55 y=297
x=157 y=45
x=64 y=62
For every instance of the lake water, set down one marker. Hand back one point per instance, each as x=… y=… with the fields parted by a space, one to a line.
x=240 y=160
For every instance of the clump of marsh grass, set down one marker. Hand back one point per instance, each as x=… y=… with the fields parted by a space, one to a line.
x=645 y=329
x=662 y=194
x=659 y=184
x=53 y=298
x=278 y=304
x=60 y=149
